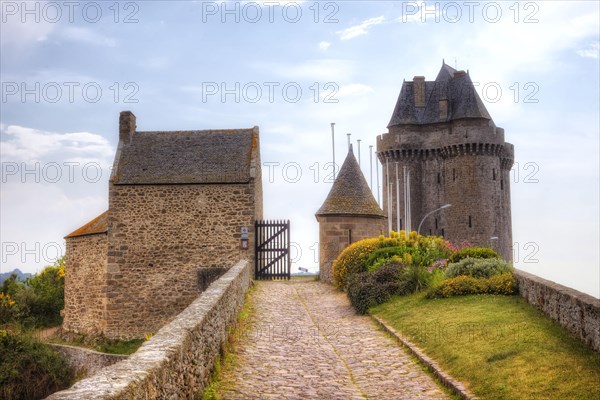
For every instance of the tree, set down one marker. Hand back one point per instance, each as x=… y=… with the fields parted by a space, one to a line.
x=40 y=298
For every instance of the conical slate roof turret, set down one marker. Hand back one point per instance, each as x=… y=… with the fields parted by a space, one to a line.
x=350 y=194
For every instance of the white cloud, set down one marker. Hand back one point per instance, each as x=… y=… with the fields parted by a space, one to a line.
x=16 y=33
x=333 y=70
x=592 y=51
x=354 y=89
x=360 y=29
x=275 y=3
x=558 y=29
x=87 y=36
x=418 y=11
x=157 y=63
x=38 y=216
x=324 y=45
x=24 y=144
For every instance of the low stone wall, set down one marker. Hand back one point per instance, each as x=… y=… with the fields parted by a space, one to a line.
x=86 y=362
x=177 y=361
x=576 y=311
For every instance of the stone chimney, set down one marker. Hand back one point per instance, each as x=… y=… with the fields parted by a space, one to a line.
x=458 y=74
x=443 y=109
x=126 y=126
x=419 y=91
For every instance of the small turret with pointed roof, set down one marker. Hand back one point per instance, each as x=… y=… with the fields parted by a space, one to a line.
x=350 y=213
x=350 y=194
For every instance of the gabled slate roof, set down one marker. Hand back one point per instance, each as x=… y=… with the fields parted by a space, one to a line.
x=97 y=225
x=185 y=157
x=455 y=86
x=350 y=193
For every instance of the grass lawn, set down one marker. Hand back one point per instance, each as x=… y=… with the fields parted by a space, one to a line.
x=226 y=361
x=122 y=347
x=500 y=347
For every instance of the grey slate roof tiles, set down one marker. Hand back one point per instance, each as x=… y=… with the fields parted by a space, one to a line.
x=185 y=157
x=464 y=102
x=350 y=193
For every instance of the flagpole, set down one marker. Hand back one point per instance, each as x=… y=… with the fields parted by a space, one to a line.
x=397 y=200
x=333 y=147
x=389 y=205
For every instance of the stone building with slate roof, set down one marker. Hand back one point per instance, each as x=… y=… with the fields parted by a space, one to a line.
x=442 y=133
x=177 y=203
x=349 y=213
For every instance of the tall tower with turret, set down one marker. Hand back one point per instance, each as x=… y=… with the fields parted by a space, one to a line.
x=442 y=135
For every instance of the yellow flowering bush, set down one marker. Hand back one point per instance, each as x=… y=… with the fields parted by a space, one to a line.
x=6 y=308
x=503 y=284
x=371 y=254
x=353 y=259
x=5 y=300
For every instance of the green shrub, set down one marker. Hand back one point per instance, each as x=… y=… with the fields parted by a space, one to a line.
x=389 y=274
x=353 y=259
x=372 y=254
x=478 y=267
x=503 y=284
x=472 y=252
x=363 y=292
x=7 y=308
x=366 y=289
x=30 y=369
x=413 y=279
x=38 y=300
x=385 y=254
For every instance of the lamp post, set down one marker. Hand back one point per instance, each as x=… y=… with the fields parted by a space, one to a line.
x=429 y=213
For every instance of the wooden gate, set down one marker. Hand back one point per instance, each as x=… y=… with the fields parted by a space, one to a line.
x=272 y=250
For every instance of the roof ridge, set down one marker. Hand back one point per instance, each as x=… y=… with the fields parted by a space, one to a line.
x=235 y=130
x=95 y=226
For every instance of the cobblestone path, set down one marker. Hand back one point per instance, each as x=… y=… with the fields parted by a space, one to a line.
x=304 y=341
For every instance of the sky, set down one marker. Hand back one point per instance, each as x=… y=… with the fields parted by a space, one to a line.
x=292 y=68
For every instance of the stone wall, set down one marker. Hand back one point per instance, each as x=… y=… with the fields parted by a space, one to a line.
x=337 y=232
x=86 y=362
x=176 y=362
x=158 y=236
x=84 y=278
x=578 y=312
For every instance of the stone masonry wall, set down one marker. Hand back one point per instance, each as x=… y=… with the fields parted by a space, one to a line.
x=176 y=362
x=334 y=236
x=158 y=236
x=84 y=280
x=86 y=362
x=578 y=312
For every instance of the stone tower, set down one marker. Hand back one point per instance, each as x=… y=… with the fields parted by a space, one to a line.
x=349 y=213
x=442 y=133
